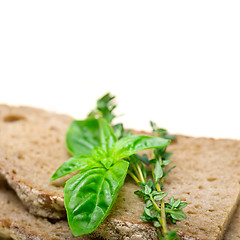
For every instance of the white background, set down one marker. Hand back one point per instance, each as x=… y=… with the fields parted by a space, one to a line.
x=174 y=62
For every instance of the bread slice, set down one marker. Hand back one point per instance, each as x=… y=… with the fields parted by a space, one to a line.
x=17 y=223
x=207 y=176
x=32 y=145
x=233 y=231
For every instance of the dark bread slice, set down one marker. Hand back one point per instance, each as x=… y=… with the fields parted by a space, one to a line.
x=207 y=176
x=17 y=223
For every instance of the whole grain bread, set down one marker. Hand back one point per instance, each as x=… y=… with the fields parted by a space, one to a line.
x=207 y=176
x=17 y=223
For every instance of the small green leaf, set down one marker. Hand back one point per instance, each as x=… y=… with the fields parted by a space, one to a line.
x=172 y=235
x=158 y=172
x=171 y=137
x=166 y=173
x=166 y=162
x=143 y=158
x=130 y=145
x=154 y=193
x=147 y=211
x=156 y=224
x=178 y=214
x=139 y=193
x=149 y=203
x=160 y=197
x=75 y=164
x=146 y=218
x=168 y=206
x=172 y=200
x=167 y=155
x=182 y=205
x=105 y=107
x=148 y=190
x=176 y=203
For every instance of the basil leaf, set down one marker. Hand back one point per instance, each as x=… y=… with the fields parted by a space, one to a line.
x=74 y=164
x=107 y=136
x=89 y=196
x=100 y=155
x=82 y=136
x=133 y=144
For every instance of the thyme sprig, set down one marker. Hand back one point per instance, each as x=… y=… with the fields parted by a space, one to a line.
x=156 y=210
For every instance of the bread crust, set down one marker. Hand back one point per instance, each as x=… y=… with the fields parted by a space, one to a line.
x=23 y=172
x=17 y=223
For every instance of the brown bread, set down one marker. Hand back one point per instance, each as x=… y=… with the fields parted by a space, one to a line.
x=17 y=223
x=207 y=176
x=32 y=145
x=233 y=231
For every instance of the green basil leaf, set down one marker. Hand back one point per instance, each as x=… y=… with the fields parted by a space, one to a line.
x=89 y=196
x=82 y=136
x=75 y=164
x=98 y=153
x=133 y=144
x=107 y=136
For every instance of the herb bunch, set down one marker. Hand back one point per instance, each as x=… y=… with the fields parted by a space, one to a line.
x=103 y=154
x=99 y=158
x=156 y=210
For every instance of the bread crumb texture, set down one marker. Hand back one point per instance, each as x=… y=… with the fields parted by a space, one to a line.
x=17 y=223
x=207 y=177
x=32 y=146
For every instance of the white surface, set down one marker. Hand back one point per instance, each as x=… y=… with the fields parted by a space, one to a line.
x=174 y=62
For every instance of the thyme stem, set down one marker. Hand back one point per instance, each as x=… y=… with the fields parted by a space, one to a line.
x=134 y=176
x=140 y=173
x=136 y=171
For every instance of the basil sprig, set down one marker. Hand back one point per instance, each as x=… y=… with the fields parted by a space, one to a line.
x=101 y=160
